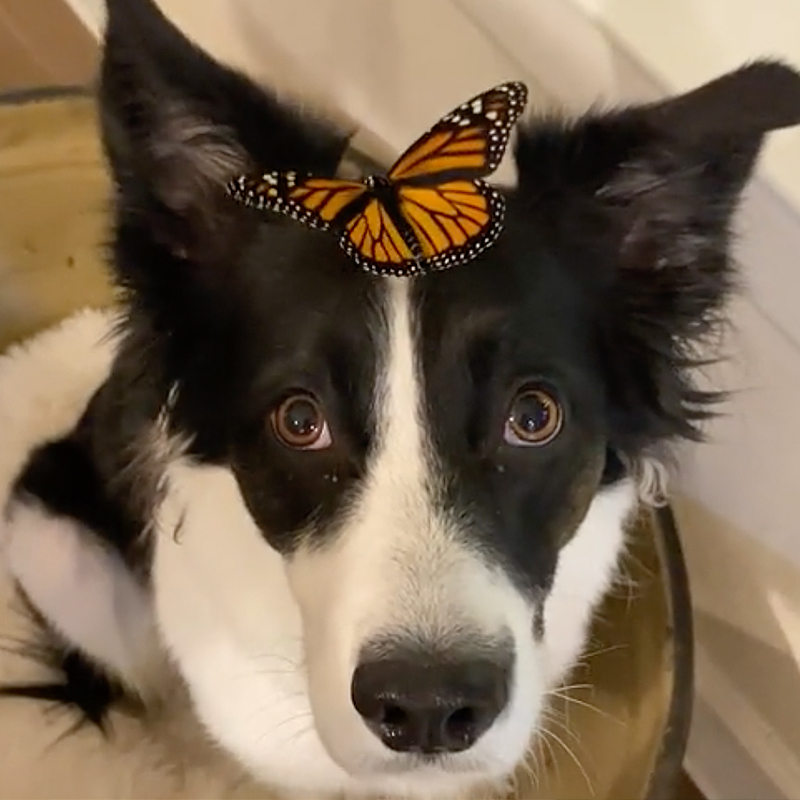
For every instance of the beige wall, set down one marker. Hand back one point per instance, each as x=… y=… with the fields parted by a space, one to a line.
x=43 y=42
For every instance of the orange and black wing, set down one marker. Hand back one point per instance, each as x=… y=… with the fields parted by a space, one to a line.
x=316 y=202
x=373 y=239
x=468 y=143
x=368 y=233
x=439 y=227
x=451 y=223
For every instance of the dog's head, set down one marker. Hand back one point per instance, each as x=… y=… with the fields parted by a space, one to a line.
x=445 y=463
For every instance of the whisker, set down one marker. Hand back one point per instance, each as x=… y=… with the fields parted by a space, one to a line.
x=269 y=710
x=531 y=771
x=303 y=716
x=553 y=760
x=563 y=723
x=294 y=663
x=591 y=707
x=570 y=687
x=572 y=755
x=303 y=730
x=253 y=669
x=602 y=650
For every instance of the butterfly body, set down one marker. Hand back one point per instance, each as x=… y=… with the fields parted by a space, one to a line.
x=382 y=191
x=431 y=211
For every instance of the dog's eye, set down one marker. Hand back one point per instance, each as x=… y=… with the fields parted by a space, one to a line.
x=534 y=418
x=299 y=423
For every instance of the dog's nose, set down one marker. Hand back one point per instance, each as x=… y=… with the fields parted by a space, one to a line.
x=430 y=707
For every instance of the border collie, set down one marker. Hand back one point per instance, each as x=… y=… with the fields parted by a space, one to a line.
x=381 y=607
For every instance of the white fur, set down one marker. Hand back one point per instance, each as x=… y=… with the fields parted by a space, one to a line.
x=398 y=566
x=586 y=569
x=651 y=475
x=81 y=586
x=267 y=653
x=45 y=384
x=86 y=591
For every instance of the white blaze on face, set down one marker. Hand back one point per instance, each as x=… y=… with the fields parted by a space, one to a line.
x=227 y=614
x=399 y=567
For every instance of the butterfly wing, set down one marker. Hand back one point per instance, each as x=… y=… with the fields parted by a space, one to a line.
x=468 y=143
x=317 y=202
x=374 y=241
x=439 y=227
x=452 y=222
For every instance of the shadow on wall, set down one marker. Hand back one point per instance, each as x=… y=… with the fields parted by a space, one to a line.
x=747 y=627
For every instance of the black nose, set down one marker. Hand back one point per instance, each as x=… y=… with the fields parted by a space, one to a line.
x=432 y=707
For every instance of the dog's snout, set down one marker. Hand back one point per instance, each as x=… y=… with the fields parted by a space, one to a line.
x=430 y=706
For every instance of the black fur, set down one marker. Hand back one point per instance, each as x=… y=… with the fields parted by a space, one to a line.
x=63 y=476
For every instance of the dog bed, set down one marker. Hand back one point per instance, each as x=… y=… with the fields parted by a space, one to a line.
x=617 y=729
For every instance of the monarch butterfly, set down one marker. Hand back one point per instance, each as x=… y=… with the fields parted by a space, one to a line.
x=431 y=211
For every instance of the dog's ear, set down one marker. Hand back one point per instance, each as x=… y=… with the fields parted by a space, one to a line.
x=651 y=190
x=177 y=126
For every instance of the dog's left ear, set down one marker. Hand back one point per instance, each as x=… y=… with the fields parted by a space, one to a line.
x=651 y=190
x=177 y=126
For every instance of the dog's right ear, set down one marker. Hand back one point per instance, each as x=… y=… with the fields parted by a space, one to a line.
x=177 y=126
x=652 y=190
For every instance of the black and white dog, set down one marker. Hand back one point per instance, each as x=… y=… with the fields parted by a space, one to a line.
x=368 y=519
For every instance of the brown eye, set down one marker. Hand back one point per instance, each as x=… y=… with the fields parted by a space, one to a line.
x=534 y=419
x=299 y=422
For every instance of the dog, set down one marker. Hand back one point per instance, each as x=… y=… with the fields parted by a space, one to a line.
x=368 y=519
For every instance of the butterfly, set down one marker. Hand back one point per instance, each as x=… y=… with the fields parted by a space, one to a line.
x=431 y=211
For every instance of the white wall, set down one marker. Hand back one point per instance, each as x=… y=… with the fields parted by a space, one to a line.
x=684 y=42
x=90 y=13
x=740 y=514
